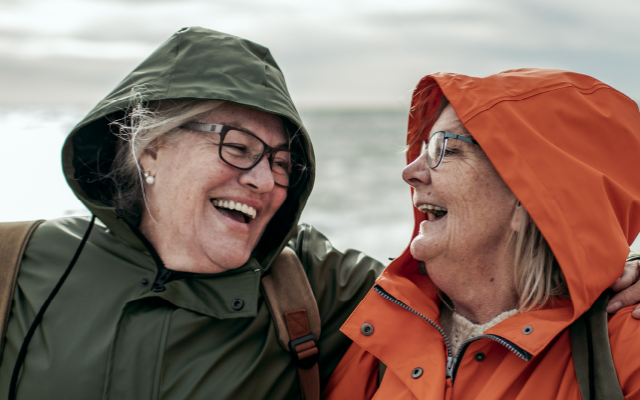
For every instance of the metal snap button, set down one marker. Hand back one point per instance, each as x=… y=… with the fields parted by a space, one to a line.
x=416 y=373
x=366 y=329
x=527 y=330
x=479 y=357
x=144 y=282
x=237 y=304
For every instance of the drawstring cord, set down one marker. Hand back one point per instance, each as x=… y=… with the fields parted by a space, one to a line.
x=43 y=309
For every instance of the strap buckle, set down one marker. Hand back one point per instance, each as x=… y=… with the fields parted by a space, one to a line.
x=305 y=351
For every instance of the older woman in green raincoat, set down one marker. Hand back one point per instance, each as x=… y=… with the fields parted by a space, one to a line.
x=197 y=167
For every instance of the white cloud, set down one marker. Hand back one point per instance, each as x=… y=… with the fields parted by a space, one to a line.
x=69 y=47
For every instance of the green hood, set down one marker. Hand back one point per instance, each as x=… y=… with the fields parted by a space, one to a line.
x=195 y=63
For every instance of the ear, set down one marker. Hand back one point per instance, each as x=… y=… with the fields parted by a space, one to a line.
x=518 y=216
x=149 y=157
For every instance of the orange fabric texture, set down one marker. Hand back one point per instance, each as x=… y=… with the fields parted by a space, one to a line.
x=568 y=146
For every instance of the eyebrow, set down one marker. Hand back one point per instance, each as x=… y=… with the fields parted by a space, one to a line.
x=238 y=124
x=464 y=131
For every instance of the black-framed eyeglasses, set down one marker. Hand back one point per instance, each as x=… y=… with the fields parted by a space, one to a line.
x=243 y=150
x=437 y=146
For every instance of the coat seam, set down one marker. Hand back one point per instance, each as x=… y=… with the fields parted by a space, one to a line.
x=487 y=107
x=110 y=360
x=173 y=67
x=162 y=347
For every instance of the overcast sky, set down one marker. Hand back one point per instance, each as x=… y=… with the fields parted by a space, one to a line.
x=334 y=54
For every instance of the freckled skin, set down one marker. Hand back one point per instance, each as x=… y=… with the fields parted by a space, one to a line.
x=181 y=223
x=467 y=253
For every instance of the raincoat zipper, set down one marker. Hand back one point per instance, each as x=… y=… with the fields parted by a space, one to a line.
x=452 y=362
x=526 y=356
x=164 y=276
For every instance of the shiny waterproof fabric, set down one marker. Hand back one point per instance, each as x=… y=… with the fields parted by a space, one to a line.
x=107 y=334
x=566 y=144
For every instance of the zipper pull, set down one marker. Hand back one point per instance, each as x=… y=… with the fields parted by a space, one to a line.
x=158 y=285
x=451 y=361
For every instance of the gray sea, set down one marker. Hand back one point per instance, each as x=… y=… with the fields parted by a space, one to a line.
x=359 y=199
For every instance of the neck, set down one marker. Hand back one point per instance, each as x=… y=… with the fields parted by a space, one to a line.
x=480 y=287
x=486 y=306
x=173 y=253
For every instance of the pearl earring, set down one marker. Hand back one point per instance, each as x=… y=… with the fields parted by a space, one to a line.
x=149 y=178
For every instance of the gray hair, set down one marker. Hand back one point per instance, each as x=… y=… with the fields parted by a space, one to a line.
x=139 y=130
x=538 y=277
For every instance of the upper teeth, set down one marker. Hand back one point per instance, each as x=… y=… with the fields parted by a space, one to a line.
x=235 y=205
x=425 y=208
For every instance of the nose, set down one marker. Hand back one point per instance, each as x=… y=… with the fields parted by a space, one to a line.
x=418 y=172
x=260 y=177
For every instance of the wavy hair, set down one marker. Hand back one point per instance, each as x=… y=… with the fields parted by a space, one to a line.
x=537 y=274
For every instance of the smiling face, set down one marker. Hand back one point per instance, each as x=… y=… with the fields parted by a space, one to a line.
x=189 y=218
x=470 y=210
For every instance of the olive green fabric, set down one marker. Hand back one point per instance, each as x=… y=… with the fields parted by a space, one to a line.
x=107 y=335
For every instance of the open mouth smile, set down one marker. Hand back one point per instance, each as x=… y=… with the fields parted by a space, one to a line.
x=235 y=210
x=433 y=212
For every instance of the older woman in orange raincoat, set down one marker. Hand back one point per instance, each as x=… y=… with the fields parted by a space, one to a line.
x=527 y=195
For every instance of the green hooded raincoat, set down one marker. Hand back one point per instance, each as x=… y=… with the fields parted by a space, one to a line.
x=107 y=334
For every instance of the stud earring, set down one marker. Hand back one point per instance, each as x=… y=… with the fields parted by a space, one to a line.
x=149 y=178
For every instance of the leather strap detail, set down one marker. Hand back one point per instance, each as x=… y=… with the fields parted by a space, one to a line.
x=304 y=348
x=310 y=382
x=303 y=344
x=296 y=317
x=297 y=323
x=286 y=288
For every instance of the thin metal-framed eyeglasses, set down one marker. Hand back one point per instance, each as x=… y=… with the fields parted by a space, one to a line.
x=243 y=150
x=437 y=146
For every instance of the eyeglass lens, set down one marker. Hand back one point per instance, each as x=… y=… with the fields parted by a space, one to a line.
x=244 y=151
x=435 y=149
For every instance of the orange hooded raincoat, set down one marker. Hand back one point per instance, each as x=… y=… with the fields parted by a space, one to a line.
x=567 y=146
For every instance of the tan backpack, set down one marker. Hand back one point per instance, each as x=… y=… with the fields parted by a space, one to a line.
x=286 y=289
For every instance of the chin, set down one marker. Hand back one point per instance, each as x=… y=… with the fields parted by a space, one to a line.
x=426 y=248
x=419 y=248
x=230 y=261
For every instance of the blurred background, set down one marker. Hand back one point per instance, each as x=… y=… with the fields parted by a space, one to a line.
x=350 y=66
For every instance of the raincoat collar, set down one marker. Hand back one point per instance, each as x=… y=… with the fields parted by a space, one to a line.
x=216 y=295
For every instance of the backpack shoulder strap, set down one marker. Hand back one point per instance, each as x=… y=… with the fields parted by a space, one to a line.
x=382 y=368
x=296 y=317
x=13 y=240
x=591 y=352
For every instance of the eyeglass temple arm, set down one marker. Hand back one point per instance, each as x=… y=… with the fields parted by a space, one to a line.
x=449 y=135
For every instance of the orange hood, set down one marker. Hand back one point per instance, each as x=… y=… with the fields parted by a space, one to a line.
x=567 y=145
